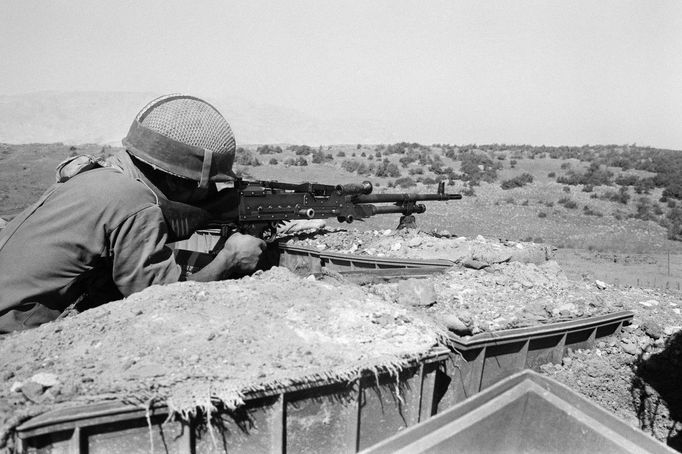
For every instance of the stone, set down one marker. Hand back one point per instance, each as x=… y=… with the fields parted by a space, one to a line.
x=565 y=309
x=630 y=349
x=416 y=292
x=33 y=391
x=600 y=284
x=46 y=379
x=649 y=303
x=396 y=246
x=474 y=264
x=671 y=329
x=457 y=326
x=652 y=329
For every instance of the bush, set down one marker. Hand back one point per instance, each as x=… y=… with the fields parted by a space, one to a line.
x=387 y=169
x=566 y=189
x=542 y=214
x=588 y=188
x=512 y=163
x=298 y=162
x=245 y=158
x=567 y=202
x=273 y=162
x=350 y=165
x=268 y=149
x=592 y=211
x=341 y=154
x=405 y=182
x=429 y=180
x=320 y=157
x=621 y=196
x=674 y=219
x=416 y=171
x=301 y=150
x=518 y=181
x=551 y=175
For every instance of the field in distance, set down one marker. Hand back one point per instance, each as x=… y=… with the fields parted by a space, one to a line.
x=609 y=223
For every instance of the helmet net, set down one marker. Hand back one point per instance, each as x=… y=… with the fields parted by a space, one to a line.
x=190 y=121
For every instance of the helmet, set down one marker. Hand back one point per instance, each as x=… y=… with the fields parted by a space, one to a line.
x=183 y=136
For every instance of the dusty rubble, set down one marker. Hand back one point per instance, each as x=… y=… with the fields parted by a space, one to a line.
x=503 y=296
x=195 y=344
x=636 y=374
x=414 y=244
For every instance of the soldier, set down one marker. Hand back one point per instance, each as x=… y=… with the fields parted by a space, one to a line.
x=101 y=232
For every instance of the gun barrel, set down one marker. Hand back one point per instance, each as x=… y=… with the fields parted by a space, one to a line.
x=393 y=198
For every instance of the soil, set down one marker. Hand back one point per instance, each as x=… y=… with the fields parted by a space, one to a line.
x=202 y=344
x=637 y=374
x=416 y=244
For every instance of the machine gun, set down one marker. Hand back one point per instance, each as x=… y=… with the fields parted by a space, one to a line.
x=258 y=207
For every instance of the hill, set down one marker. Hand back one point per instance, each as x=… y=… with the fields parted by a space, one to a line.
x=104 y=118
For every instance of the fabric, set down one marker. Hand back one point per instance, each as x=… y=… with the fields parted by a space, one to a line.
x=95 y=238
x=184 y=136
x=182 y=219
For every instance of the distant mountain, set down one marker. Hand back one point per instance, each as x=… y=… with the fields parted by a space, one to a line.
x=104 y=117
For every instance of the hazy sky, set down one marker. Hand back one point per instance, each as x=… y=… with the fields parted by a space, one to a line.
x=552 y=72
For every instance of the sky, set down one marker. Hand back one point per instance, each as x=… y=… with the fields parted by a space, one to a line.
x=552 y=72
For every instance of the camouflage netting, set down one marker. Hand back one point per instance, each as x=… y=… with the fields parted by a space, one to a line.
x=196 y=345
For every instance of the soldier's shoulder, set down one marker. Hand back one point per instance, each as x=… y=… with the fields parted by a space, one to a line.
x=112 y=184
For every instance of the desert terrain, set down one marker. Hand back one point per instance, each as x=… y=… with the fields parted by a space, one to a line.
x=624 y=244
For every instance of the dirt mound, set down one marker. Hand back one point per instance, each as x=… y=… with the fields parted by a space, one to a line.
x=504 y=296
x=415 y=244
x=194 y=344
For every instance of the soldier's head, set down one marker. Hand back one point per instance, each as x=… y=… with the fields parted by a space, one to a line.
x=184 y=145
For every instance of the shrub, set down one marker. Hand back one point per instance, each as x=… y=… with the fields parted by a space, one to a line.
x=621 y=196
x=245 y=158
x=542 y=214
x=387 y=169
x=588 y=188
x=512 y=163
x=674 y=219
x=566 y=189
x=429 y=180
x=268 y=149
x=416 y=171
x=567 y=202
x=301 y=150
x=518 y=181
x=551 y=175
x=592 y=211
x=350 y=165
x=273 y=162
x=341 y=154
x=405 y=182
x=320 y=157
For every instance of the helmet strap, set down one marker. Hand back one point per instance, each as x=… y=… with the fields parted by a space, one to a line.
x=206 y=168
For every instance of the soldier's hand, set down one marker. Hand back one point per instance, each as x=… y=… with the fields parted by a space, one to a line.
x=243 y=251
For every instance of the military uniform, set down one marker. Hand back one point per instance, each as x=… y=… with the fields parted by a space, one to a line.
x=95 y=238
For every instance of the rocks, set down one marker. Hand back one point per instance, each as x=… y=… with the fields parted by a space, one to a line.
x=45 y=379
x=629 y=347
x=649 y=303
x=652 y=329
x=454 y=324
x=600 y=285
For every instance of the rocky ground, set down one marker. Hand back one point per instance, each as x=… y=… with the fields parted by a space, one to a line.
x=280 y=328
x=498 y=285
x=201 y=344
